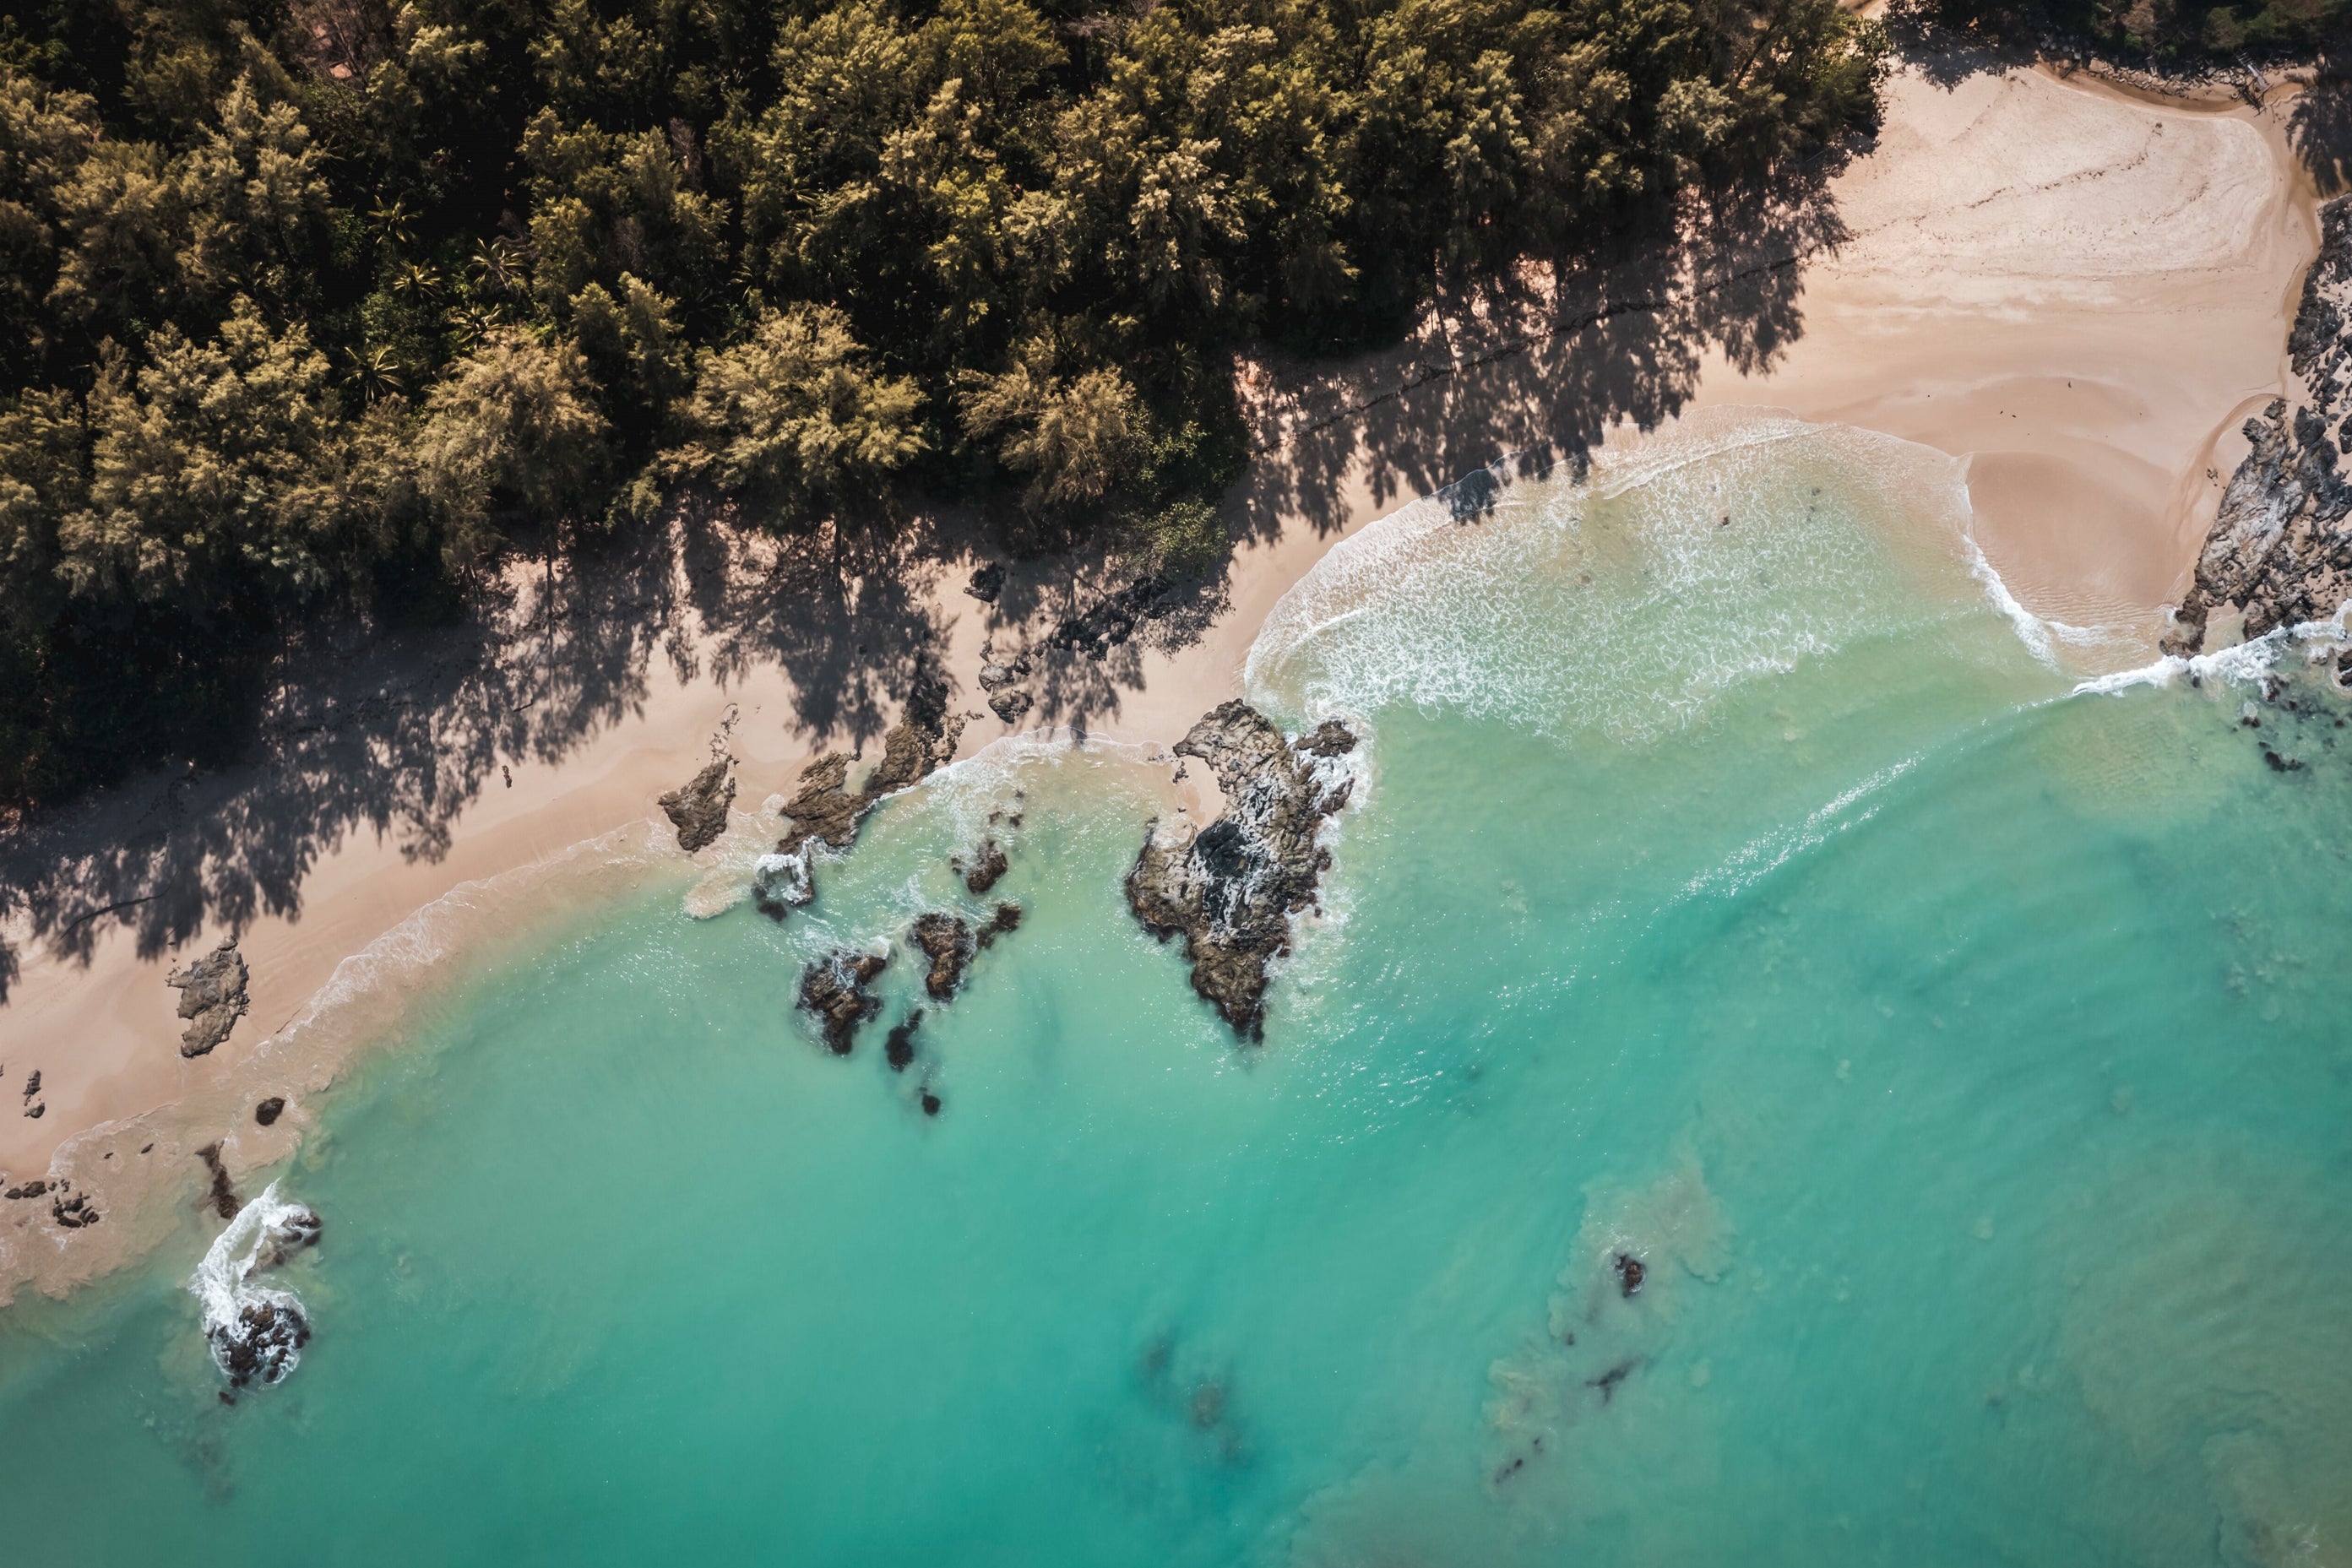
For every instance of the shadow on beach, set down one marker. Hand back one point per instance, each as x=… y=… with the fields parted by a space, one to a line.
x=395 y=734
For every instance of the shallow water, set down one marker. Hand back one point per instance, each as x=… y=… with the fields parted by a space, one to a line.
x=1965 y=1061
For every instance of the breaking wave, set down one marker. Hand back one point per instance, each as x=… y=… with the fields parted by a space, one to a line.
x=256 y=1332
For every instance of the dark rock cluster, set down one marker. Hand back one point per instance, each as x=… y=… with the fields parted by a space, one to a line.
x=698 y=808
x=269 y=1330
x=2280 y=545
x=261 y=1342
x=835 y=988
x=1006 y=700
x=212 y=996
x=988 y=864
x=948 y=942
x=1231 y=888
x=823 y=810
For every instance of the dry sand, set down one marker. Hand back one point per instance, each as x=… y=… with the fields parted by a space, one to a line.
x=2082 y=291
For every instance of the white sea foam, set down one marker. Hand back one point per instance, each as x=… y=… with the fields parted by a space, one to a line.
x=2039 y=633
x=2244 y=664
x=1737 y=545
x=254 y=1331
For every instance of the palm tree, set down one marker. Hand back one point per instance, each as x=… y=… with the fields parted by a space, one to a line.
x=376 y=373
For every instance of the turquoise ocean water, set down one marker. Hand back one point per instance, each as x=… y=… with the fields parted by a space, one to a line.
x=1968 y=1062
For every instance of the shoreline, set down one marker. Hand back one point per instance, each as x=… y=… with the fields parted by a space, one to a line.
x=2077 y=290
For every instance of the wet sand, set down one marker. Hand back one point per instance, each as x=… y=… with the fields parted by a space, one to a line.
x=2080 y=290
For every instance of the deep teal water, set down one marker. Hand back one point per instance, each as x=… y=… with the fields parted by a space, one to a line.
x=1968 y=1062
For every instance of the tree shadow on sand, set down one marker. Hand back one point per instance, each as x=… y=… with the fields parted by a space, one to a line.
x=396 y=734
x=1543 y=364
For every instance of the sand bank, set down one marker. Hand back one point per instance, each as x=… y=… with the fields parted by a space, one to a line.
x=2080 y=291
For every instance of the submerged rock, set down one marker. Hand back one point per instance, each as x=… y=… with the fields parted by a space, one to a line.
x=1231 y=888
x=899 y=1047
x=212 y=996
x=833 y=988
x=2280 y=550
x=1006 y=919
x=698 y=808
x=221 y=1195
x=947 y=941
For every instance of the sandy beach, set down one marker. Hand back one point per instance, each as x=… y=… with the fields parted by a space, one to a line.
x=2079 y=290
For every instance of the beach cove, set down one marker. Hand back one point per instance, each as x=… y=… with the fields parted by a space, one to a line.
x=1739 y=920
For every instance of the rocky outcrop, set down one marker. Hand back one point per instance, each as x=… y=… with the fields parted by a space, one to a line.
x=1006 y=700
x=212 y=996
x=270 y=1110
x=699 y=810
x=988 y=864
x=2280 y=550
x=823 y=810
x=255 y=1334
x=1231 y=888
x=948 y=942
x=835 y=988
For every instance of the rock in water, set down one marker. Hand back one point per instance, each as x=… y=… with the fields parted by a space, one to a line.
x=948 y=942
x=781 y=883
x=255 y=1334
x=212 y=996
x=826 y=810
x=833 y=988
x=698 y=810
x=1006 y=919
x=987 y=866
x=2280 y=548
x=1231 y=887
x=899 y=1047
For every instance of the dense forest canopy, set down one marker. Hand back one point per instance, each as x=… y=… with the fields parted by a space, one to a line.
x=312 y=304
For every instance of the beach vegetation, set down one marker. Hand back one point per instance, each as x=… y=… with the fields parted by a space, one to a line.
x=299 y=294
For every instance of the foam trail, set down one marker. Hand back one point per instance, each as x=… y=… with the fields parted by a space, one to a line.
x=254 y=1331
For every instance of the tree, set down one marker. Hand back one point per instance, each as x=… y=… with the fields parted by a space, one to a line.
x=513 y=426
x=215 y=469
x=796 y=412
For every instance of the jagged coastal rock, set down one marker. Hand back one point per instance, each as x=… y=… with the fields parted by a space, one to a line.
x=835 y=988
x=212 y=996
x=825 y=810
x=948 y=942
x=1230 y=888
x=699 y=810
x=2280 y=550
